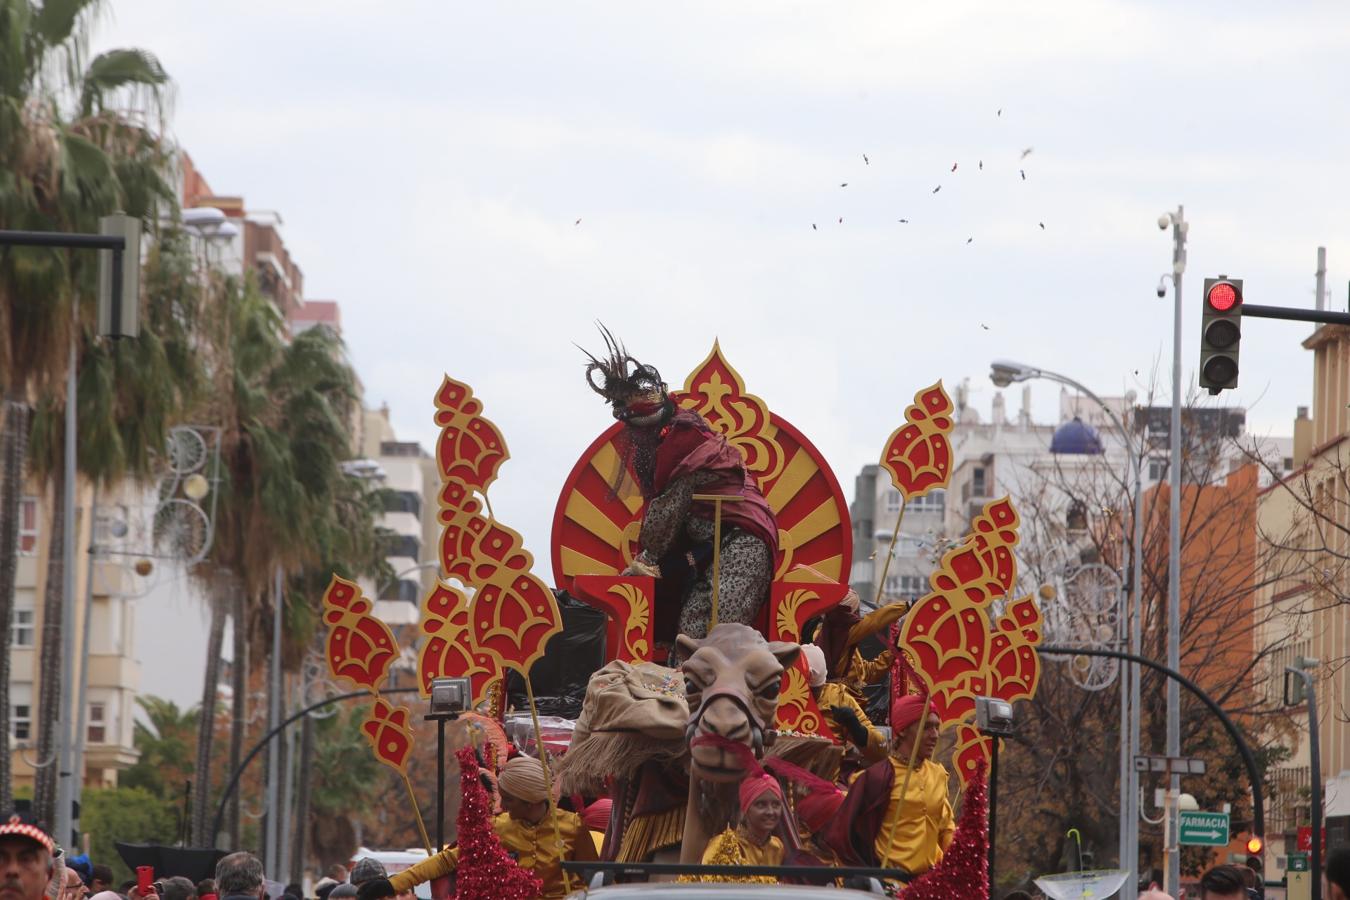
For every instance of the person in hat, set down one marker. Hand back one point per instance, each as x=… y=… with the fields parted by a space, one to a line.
x=528 y=827
x=895 y=816
x=845 y=718
x=367 y=869
x=752 y=842
x=26 y=860
x=375 y=889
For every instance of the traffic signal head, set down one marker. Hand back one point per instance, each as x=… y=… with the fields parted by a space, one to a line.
x=1255 y=845
x=1220 y=333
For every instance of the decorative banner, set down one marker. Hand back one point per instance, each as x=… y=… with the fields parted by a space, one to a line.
x=360 y=647
x=470 y=447
x=448 y=650
x=513 y=614
x=390 y=737
x=595 y=532
x=790 y=607
x=627 y=604
x=918 y=455
x=948 y=639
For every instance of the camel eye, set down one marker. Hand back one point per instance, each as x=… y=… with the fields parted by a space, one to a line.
x=769 y=691
x=691 y=686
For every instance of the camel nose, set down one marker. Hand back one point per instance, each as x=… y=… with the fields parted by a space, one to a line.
x=724 y=718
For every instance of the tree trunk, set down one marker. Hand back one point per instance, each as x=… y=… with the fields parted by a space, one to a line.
x=49 y=694
x=239 y=709
x=13 y=447
x=201 y=796
x=302 y=799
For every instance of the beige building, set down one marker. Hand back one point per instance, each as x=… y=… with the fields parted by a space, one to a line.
x=114 y=673
x=1308 y=582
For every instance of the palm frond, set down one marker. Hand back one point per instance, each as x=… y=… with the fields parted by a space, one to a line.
x=117 y=69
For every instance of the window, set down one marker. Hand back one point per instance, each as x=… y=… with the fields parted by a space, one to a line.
x=402 y=545
x=21 y=628
x=402 y=501
x=906 y=586
x=933 y=501
x=978 y=488
x=98 y=723
x=20 y=721
x=1157 y=469
x=28 y=526
x=892 y=501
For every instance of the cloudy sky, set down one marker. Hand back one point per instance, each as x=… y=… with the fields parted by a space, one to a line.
x=431 y=161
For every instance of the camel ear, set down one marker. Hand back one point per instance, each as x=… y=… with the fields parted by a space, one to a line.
x=685 y=646
x=785 y=653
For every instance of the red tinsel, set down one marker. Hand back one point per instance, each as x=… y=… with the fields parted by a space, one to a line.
x=963 y=873
x=485 y=871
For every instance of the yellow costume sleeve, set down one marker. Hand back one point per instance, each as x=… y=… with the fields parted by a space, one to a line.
x=429 y=869
x=835 y=694
x=870 y=671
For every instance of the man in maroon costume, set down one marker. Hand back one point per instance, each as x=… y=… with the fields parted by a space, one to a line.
x=673 y=454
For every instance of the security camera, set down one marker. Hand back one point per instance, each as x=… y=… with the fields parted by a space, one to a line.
x=1162 y=287
x=1163 y=221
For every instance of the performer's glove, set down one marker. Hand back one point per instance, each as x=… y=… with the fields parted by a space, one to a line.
x=849 y=721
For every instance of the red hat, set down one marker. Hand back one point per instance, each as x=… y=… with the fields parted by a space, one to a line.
x=905 y=711
x=16 y=826
x=755 y=785
x=596 y=816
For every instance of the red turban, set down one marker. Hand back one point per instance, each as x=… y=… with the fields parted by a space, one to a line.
x=817 y=808
x=906 y=711
x=596 y=816
x=755 y=785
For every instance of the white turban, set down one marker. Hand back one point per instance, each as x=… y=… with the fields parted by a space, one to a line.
x=815 y=661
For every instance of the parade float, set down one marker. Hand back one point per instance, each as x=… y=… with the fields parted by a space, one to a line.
x=660 y=716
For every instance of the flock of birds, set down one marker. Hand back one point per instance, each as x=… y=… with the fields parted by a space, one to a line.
x=1022 y=172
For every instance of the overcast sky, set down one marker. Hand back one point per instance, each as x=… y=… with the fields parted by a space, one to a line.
x=431 y=160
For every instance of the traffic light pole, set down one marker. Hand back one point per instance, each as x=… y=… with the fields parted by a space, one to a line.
x=1295 y=314
x=1314 y=770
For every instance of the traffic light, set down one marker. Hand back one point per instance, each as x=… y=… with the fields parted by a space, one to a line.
x=1254 y=845
x=1220 y=333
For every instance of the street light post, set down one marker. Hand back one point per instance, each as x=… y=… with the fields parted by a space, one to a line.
x=1172 y=877
x=1003 y=373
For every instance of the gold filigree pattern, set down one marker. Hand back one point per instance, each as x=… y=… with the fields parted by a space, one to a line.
x=716 y=391
x=796 y=696
x=635 y=625
x=788 y=629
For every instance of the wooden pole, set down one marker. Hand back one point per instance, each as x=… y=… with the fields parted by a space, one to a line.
x=548 y=782
x=913 y=756
x=716 y=500
x=421 y=826
x=890 y=550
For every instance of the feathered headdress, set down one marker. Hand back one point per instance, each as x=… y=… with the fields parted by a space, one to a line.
x=634 y=390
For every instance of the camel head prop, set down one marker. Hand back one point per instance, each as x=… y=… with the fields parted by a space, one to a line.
x=731 y=681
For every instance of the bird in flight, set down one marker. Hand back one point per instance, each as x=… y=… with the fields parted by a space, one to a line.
x=841 y=220
x=1023 y=173
x=904 y=221
x=1042 y=224
x=1000 y=113
x=577 y=222
x=1027 y=152
x=981 y=165
x=969 y=239
x=813 y=227
x=984 y=326
x=866 y=161
x=844 y=184
x=938 y=188
x=954 y=167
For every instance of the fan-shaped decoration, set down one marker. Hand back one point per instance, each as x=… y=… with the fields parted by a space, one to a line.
x=360 y=648
x=448 y=650
x=918 y=455
x=390 y=736
x=470 y=447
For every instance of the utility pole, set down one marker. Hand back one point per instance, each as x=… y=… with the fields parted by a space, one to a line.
x=271 y=831
x=1172 y=877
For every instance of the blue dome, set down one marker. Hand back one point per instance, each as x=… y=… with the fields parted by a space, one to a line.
x=1077 y=438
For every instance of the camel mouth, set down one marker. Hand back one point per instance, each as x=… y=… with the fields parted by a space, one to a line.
x=712 y=763
x=717 y=773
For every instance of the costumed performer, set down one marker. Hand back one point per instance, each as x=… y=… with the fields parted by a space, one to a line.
x=525 y=828
x=840 y=632
x=752 y=842
x=817 y=802
x=878 y=827
x=673 y=453
x=844 y=716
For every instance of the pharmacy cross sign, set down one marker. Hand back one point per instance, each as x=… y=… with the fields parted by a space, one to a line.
x=1203 y=829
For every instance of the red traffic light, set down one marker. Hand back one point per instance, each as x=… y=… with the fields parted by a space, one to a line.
x=1222 y=297
x=1254 y=846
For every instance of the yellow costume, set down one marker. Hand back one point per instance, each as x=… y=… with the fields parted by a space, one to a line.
x=733 y=847
x=914 y=835
x=862 y=672
x=832 y=693
x=535 y=847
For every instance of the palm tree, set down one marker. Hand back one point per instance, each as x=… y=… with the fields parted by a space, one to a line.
x=285 y=503
x=66 y=158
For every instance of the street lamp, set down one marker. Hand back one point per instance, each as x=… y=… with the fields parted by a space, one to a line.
x=994 y=719
x=1004 y=372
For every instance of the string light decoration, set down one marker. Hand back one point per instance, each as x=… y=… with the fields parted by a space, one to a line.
x=485 y=870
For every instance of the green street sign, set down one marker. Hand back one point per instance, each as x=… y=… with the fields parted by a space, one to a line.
x=1203 y=829
x=1298 y=862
